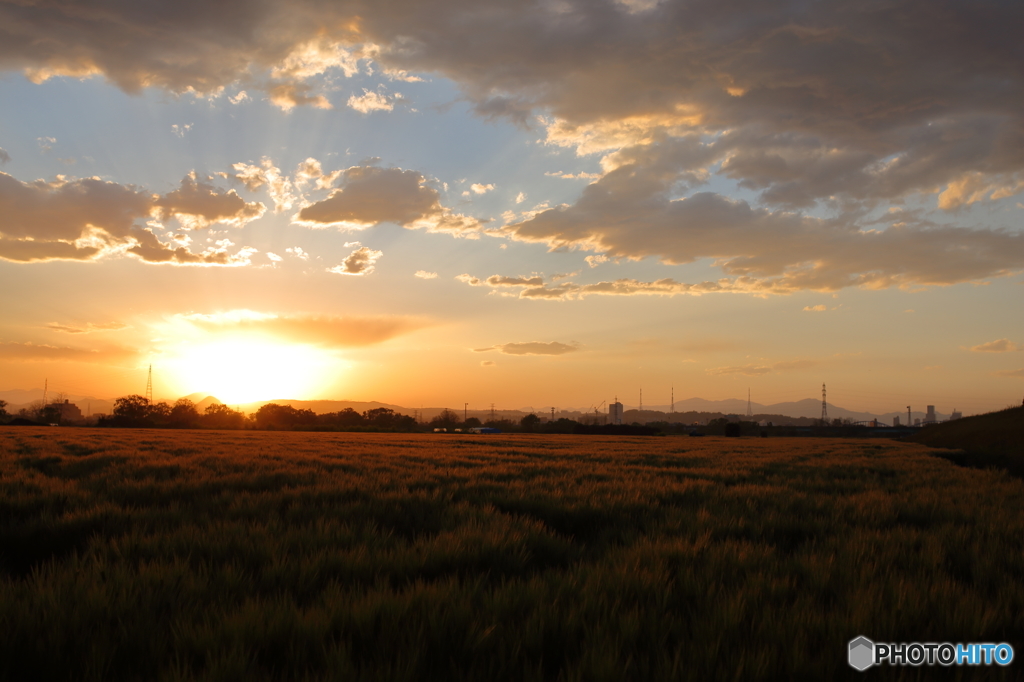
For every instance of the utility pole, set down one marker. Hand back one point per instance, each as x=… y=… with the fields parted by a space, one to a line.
x=46 y=388
x=641 y=400
x=750 y=412
x=910 y=422
x=465 y=412
x=673 y=398
x=824 y=407
x=149 y=385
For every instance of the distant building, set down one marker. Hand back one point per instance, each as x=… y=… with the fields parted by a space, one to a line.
x=930 y=417
x=69 y=412
x=917 y=421
x=896 y=421
x=955 y=415
x=615 y=413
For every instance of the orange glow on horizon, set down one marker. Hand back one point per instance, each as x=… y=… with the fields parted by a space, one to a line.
x=244 y=370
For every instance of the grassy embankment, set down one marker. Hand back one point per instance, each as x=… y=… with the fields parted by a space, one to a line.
x=995 y=440
x=240 y=555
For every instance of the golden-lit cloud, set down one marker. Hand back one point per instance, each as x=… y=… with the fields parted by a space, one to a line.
x=88 y=218
x=373 y=101
x=536 y=287
x=87 y=328
x=997 y=346
x=532 y=348
x=820 y=308
x=425 y=274
x=29 y=352
x=362 y=261
x=630 y=214
x=369 y=195
x=266 y=174
x=197 y=204
x=761 y=370
x=320 y=330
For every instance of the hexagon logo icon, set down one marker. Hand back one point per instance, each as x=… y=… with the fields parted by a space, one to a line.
x=862 y=653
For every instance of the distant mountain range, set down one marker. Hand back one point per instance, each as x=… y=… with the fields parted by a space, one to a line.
x=810 y=407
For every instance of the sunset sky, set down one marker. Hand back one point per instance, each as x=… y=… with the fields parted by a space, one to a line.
x=433 y=202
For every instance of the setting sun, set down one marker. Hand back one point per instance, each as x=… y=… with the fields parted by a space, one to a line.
x=247 y=370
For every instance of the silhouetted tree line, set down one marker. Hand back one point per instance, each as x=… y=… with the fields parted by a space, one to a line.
x=135 y=411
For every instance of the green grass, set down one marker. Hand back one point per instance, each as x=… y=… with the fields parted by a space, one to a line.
x=314 y=556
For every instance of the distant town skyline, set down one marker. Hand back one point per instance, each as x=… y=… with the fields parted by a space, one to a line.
x=544 y=202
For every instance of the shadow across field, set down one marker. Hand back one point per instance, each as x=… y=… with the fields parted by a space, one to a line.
x=324 y=556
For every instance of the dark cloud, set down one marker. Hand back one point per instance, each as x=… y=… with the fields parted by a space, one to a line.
x=840 y=105
x=765 y=250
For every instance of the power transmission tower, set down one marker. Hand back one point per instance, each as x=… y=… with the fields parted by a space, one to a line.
x=552 y=414
x=673 y=398
x=465 y=412
x=46 y=388
x=149 y=385
x=824 y=407
x=641 y=400
x=750 y=412
x=492 y=411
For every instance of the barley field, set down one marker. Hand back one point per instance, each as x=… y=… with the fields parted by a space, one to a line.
x=234 y=555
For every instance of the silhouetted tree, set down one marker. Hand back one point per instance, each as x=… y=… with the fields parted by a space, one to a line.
x=131 y=410
x=348 y=417
x=184 y=415
x=529 y=422
x=472 y=423
x=447 y=419
x=275 y=417
x=3 y=411
x=159 y=415
x=218 y=416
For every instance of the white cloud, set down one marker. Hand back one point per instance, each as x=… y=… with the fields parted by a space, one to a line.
x=297 y=252
x=274 y=257
x=180 y=130
x=423 y=274
x=481 y=189
x=521 y=197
